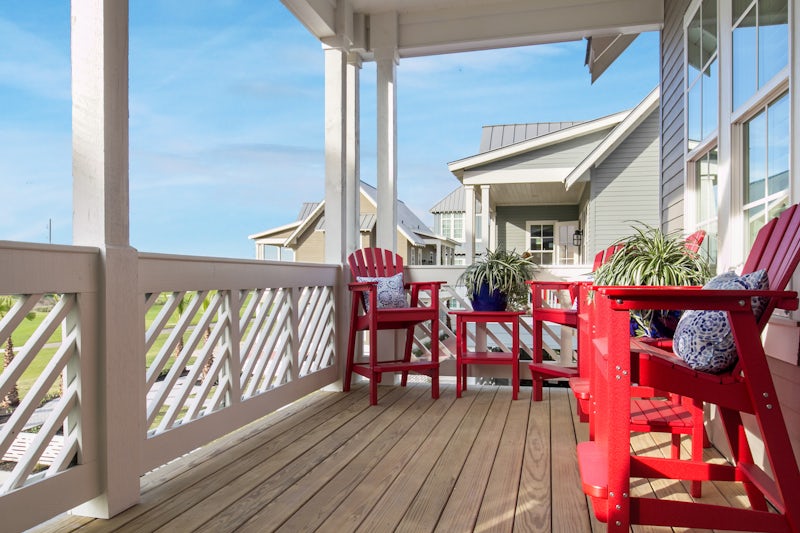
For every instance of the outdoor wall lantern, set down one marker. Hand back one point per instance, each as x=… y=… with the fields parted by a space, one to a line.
x=577 y=238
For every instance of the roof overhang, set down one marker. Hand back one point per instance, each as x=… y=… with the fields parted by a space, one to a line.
x=602 y=50
x=459 y=167
x=596 y=157
x=427 y=27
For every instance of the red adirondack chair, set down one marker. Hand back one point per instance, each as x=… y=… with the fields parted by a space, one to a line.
x=543 y=294
x=380 y=302
x=606 y=465
x=542 y=312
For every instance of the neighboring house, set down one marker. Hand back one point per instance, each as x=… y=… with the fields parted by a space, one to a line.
x=561 y=190
x=448 y=220
x=304 y=239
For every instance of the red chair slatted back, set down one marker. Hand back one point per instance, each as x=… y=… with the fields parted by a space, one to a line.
x=695 y=240
x=777 y=250
x=375 y=262
x=598 y=260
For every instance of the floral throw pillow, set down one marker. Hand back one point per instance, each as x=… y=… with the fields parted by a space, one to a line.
x=391 y=293
x=703 y=338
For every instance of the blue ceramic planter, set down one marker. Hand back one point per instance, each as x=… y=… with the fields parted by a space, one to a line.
x=483 y=300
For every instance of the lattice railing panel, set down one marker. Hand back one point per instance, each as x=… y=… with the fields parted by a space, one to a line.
x=188 y=346
x=266 y=349
x=316 y=329
x=39 y=388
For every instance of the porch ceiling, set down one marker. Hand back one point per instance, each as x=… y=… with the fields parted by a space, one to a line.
x=430 y=27
x=535 y=194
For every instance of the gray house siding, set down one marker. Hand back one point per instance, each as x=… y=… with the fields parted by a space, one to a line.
x=511 y=222
x=625 y=183
x=672 y=116
x=565 y=154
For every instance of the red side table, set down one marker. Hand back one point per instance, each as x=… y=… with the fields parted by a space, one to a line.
x=465 y=357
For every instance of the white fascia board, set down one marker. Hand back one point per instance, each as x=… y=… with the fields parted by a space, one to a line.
x=539 y=142
x=263 y=234
x=526 y=175
x=291 y=239
x=615 y=138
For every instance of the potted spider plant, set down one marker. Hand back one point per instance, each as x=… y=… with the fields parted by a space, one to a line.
x=496 y=280
x=649 y=257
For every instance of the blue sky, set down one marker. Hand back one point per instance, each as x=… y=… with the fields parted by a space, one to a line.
x=226 y=118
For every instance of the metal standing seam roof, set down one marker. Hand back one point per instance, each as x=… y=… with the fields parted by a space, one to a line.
x=502 y=135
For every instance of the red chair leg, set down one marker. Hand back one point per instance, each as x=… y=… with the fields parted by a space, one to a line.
x=351 y=348
x=407 y=354
x=537 y=356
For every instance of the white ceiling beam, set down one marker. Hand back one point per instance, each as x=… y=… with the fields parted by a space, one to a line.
x=319 y=16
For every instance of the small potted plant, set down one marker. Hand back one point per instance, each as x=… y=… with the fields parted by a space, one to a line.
x=496 y=280
x=650 y=257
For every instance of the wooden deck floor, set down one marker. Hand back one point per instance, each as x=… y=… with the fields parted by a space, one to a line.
x=333 y=463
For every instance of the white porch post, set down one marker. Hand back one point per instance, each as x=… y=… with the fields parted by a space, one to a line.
x=469 y=224
x=486 y=235
x=353 y=155
x=384 y=35
x=99 y=44
x=335 y=156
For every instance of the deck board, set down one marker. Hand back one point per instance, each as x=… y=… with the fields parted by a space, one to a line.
x=331 y=462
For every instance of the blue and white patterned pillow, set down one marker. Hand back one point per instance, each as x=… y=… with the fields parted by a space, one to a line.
x=391 y=293
x=703 y=339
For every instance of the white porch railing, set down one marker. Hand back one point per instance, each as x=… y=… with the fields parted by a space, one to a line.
x=222 y=343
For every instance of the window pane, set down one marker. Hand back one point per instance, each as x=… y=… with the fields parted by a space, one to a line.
x=446 y=226
x=739 y=7
x=693 y=49
x=706 y=175
x=458 y=227
x=755 y=151
x=744 y=59
x=536 y=231
x=694 y=121
x=478 y=227
x=709 y=39
x=773 y=38
x=755 y=219
x=710 y=77
x=543 y=258
x=778 y=146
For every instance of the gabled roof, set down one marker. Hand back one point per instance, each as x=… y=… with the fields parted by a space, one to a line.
x=498 y=136
x=453 y=202
x=573 y=132
x=615 y=138
x=618 y=127
x=313 y=213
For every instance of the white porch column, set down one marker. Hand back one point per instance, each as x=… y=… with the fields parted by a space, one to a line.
x=113 y=397
x=335 y=156
x=353 y=155
x=488 y=242
x=469 y=224
x=384 y=37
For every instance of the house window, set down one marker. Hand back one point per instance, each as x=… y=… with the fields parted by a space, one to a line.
x=451 y=225
x=702 y=73
x=542 y=242
x=760 y=45
x=706 y=198
x=765 y=168
x=478 y=227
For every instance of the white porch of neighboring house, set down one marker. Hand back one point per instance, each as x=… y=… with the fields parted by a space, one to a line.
x=275 y=331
